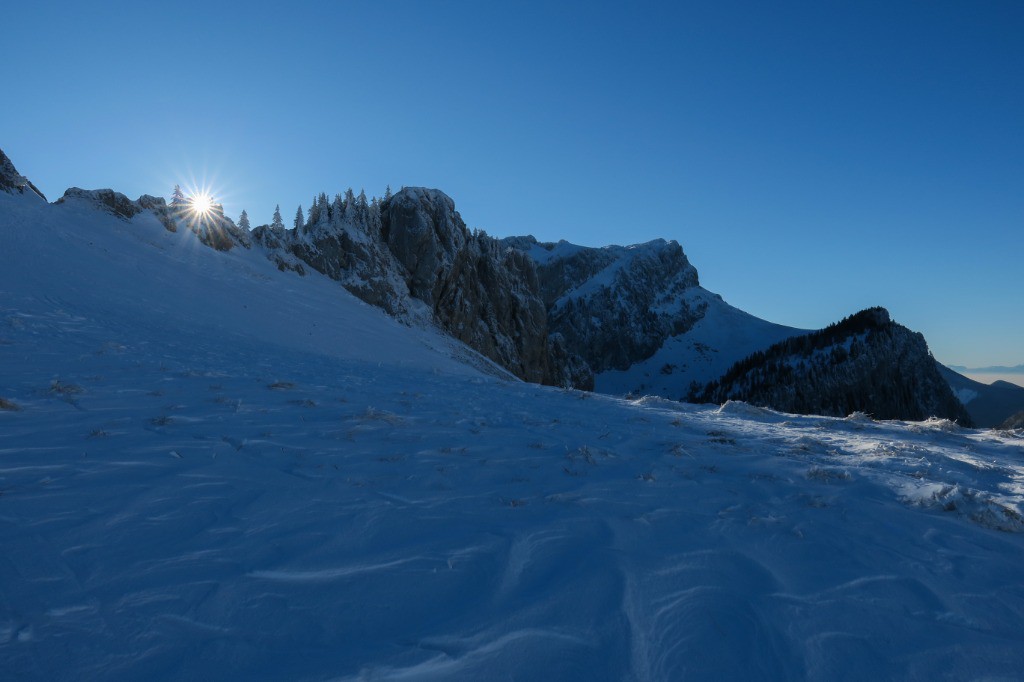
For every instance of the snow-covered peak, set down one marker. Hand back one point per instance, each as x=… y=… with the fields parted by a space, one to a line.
x=638 y=315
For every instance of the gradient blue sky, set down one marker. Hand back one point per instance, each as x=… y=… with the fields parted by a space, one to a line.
x=813 y=158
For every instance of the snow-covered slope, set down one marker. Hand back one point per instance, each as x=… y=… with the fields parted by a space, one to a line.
x=210 y=469
x=75 y=256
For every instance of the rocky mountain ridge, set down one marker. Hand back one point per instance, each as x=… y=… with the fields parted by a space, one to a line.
x=555 y=314
x=621 y=319
x=412 y=255
x=639 y=317
x=614 y=305
x=865 y=363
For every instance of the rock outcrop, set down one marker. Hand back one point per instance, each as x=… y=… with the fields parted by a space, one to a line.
x=615 y=305
x=1015 y=421
x=13 y=182
x=413 y=256
x=107 y=199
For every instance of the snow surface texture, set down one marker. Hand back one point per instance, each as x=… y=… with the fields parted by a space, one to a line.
x=211 y=469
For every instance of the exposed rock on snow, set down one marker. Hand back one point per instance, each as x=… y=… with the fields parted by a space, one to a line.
x=115 y=202
x=617 y=305
x=12 y=181
x=1014 y=422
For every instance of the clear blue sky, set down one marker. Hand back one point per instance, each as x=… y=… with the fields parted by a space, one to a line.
x=812 y=158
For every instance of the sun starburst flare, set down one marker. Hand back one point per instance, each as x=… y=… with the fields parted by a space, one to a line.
x=201 y=204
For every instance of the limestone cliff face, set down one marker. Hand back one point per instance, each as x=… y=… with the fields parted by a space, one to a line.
x=615 y=305
x=480 y=292
x=413 y=256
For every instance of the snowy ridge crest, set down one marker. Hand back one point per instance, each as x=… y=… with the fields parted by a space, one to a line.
x=213 y=229
x=12 y=181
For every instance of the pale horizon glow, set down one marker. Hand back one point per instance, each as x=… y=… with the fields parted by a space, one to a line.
x=988 y=378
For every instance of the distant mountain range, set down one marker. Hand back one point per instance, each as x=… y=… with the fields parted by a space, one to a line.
x=995 y=369
x=617 y=319
x=989 y=405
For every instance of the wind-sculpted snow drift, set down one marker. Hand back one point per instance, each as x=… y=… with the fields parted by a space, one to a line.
x=212 y=469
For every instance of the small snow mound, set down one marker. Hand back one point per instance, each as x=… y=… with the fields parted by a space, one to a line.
x=658 y=402
x=738 y=408
x=860 y=417
x=935 y=424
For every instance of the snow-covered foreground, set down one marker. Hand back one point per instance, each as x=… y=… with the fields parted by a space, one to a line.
x=221 y=471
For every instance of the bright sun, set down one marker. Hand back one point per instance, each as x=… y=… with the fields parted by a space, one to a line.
x=201 y=203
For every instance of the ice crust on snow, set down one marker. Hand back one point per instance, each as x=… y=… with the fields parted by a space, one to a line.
x=223 y=470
